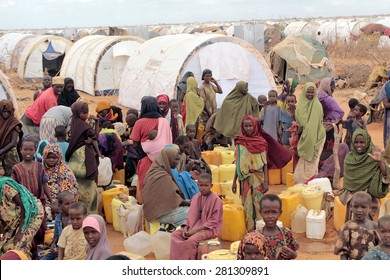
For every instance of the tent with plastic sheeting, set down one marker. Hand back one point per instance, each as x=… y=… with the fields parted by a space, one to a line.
x=340 y=30
x=161 y=62
x=10 y=43
x=43 y=53
x=297 y=28
x=6 y=92
x=301 y=58
x=96 y=62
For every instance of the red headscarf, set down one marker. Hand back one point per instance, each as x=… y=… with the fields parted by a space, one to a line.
x=164 y=98
x=254 y=143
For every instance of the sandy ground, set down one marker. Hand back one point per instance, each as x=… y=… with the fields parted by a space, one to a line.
x=309 y=248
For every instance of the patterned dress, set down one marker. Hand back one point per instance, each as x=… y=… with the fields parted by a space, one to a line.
x=355 y=241
x=376 y=253
x=276 y=242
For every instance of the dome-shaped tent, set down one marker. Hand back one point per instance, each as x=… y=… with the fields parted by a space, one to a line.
x=96 y=62
x=8 y=45
x=6 y=91
x=297 y=28
x=339 y=30
x=42 y=52
x=162 y=61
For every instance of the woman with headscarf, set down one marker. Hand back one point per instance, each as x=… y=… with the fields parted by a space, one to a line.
x=333 y=114
x=150 y=119
x=384 y=95
x=55 y=116
x=60 y=177
x=83 y=155
x=309 y=116
x=10 y=135
x=163 y=199
x=69 y=95
x=252 y=247
x=105 y=113
x=288 y=87
x=94 y=228
x=364 y=170
x=207 y=91
x=21 y=215
x=251 y=169
x=237 y=104
x=166 y=112
x=193 y=102
x=181 y=91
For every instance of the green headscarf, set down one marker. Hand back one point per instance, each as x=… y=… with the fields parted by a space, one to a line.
x=309 y=115
x=194 y=103
x=236 y=105
x=28 y=199
x=293 y=84
x=361 y=172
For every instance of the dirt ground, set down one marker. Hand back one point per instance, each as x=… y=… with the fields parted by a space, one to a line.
x=309 y=248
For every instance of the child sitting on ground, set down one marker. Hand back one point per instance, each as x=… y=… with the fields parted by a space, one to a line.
x=382 y=251
x=272 y=118
x=280 y=241
x=357 y=236
x=204 y=221
x=288 y=116
x=65 y=199
x=60 y=134
x=252 y=247
x=71 y=245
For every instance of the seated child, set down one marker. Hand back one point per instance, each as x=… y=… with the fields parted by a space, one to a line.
x=65 y=199
x=152 y=134
x=252 y=247
x=280 y=241
x=186 y=162
x=94 y=228
x=60 y=134
x=71 y=245
x=382 y=251
x=357 y=236
x=204 y=221
x=346 y=124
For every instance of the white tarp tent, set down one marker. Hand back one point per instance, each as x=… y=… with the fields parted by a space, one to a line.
x=339 y=30
x=6 y=92
x=96 y=62
x=384 y=42
x=8 y=45
x=297 y=28
x=42 y=52
x=161 y=62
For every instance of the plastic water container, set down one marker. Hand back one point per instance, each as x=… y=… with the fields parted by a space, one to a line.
x=119 y=176
x=48 y=236
x=324 y=183
x=227 y=157
x=208 y=246
x=216 y=158
x=260 y=224
x=220 y=255
x=226 y=172
x=274 y=177
x=234 y=246
x=315 y=224
x=107 y=197
x=216 y=188
x=206 y=155
x=115 y=204
x=290 y=202
x=233 y=226
x=219 y=148
x=382 y=200
x=131 y=256
x=288 y=168
x=161 y=245
x=312 y=197
x=383 y=210
x=139 y=244
x=339 y=211
x=298 y=219
x=227 y=200
x=214 y=173
x=226 y=190
x=296 y=188
x=289 y=179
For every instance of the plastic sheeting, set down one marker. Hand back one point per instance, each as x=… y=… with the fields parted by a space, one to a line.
x=161 y=62
x=8 y=44
x=6 y=92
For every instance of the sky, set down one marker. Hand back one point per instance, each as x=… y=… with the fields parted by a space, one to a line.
x=31 y=14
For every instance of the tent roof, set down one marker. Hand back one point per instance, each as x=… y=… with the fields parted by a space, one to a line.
x=8 y=43
x=6 y=92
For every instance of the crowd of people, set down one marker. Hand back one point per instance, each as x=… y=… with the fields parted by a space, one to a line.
x=50 y=158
